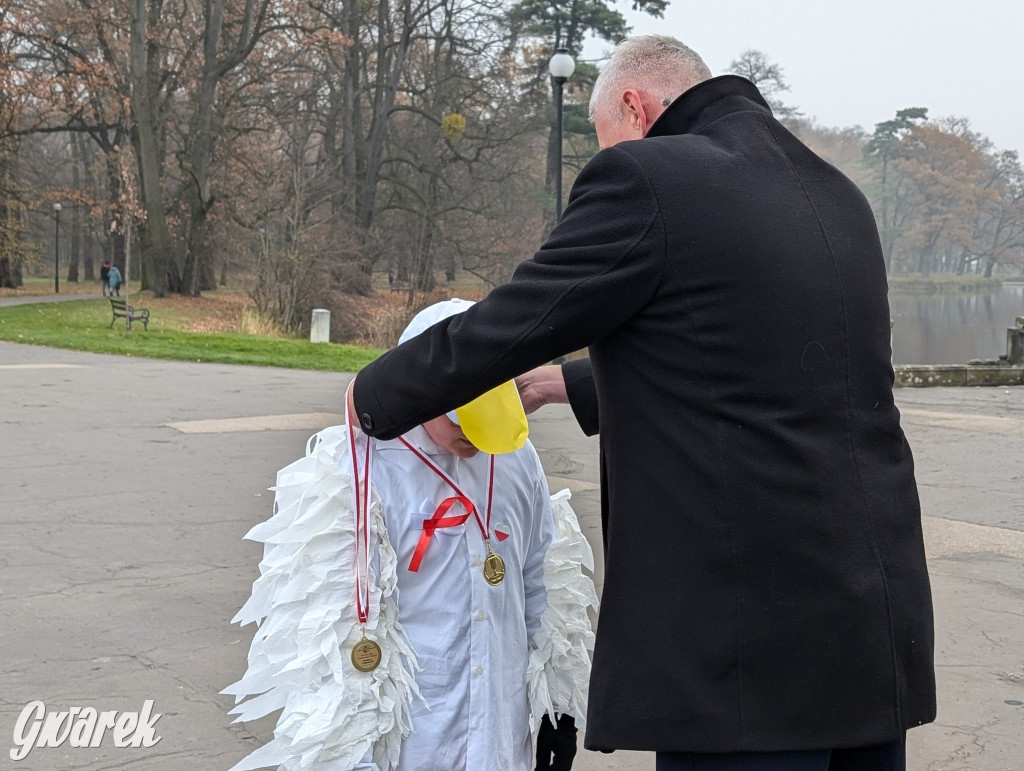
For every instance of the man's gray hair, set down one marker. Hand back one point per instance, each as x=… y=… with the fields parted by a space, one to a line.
x=657 y=65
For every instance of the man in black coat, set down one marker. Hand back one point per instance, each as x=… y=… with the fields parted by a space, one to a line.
x=766 y=600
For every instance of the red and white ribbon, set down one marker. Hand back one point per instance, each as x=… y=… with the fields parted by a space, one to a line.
x=439 y=520
x=361 y=494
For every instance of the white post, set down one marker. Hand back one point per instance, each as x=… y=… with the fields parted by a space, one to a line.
x=320 y=327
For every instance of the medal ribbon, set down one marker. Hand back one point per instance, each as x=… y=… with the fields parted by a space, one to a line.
x=439 y=520
x=361 y=494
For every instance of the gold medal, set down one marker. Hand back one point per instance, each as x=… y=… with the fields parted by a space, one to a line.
x=366 y=655
x=494 y=568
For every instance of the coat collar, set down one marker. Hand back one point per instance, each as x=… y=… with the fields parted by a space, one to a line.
x=706 y=102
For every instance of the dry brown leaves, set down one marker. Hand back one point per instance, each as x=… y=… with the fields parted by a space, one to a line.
x=209 y=313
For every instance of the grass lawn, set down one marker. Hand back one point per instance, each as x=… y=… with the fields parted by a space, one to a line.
x=181 y=329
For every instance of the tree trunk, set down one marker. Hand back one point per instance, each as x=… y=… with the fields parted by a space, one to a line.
x=198 y=272
x=6 y=273
x=351 y=114
x=154 y=234
x=10 y=220
x=961 y=264
x=114 y=226
x=423 y=281
x=387 y=83
x=75 y=253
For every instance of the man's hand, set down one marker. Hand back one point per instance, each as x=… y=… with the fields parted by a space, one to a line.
x=350 y=403
x=556 y=746
x=544 y=385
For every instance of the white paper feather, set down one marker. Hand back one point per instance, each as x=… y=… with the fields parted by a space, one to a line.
x=558 y=673
x=304 y=603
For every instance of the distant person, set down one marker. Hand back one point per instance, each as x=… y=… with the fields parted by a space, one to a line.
x=105 y=277
x=474 y=600
x=114 y=281
x=391 y=279
x=766 y=602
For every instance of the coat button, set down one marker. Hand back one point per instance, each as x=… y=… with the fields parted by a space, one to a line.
x=367 y=421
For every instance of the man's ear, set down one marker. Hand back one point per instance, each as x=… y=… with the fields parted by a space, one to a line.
x=633 y=110
x=641 y=109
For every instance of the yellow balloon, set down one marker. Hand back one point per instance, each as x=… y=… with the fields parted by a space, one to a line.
x=495 y=422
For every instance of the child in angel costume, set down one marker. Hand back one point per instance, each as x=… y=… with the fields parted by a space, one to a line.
x=421 y=603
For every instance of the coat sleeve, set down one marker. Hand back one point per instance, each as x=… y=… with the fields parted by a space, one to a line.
x=600 y=266
x=582 y=392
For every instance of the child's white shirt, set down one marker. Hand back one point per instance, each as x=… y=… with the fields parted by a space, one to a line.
x=471 y=638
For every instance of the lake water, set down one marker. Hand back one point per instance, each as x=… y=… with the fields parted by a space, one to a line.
x=953 y=328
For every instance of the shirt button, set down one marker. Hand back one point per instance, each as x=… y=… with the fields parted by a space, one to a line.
x=480 y=616
x=479 y=670
x=477 y=562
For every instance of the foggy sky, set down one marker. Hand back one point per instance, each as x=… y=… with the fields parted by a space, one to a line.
x=857 y=62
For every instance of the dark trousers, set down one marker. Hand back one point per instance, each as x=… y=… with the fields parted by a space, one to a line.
x=881 y=757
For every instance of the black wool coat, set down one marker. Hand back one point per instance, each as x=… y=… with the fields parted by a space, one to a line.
x=765 y=579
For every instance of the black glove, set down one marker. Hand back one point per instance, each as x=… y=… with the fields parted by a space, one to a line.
x=556 y=746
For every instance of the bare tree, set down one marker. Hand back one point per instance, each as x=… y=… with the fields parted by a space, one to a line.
x=768 y=76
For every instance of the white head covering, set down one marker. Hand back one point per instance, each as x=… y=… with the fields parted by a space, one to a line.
x=495 y=421
x=429 y=316
x=432 y=314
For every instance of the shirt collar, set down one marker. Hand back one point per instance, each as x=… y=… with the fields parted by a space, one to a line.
x=420 y=439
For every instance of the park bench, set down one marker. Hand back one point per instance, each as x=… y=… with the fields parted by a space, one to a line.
x=122 y=310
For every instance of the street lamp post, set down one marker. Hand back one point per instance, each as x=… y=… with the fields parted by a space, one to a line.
x=56 y=248
x=561 y=67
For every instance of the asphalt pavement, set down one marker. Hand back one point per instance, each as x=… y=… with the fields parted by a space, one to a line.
x=30 y=299
x=127 y=485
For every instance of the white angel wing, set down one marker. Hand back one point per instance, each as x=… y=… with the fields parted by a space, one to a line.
x=558 y=673
x=304 y=602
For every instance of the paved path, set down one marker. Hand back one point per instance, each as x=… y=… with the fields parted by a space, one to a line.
x=128 y=483
x=47 y=298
